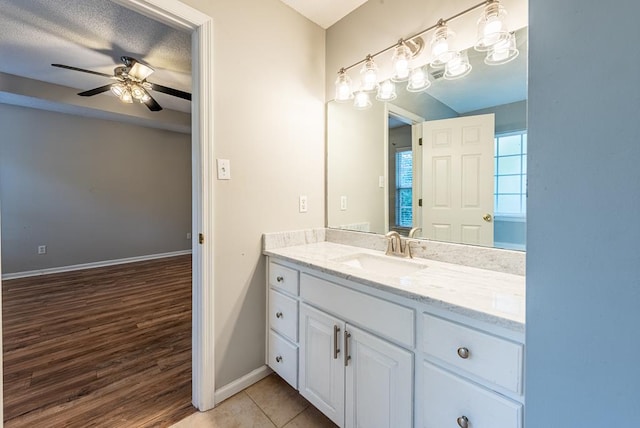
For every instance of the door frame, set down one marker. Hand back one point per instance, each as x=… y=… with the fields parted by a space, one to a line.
x=183 y=17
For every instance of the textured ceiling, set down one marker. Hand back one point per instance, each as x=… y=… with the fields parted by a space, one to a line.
x=90 y=34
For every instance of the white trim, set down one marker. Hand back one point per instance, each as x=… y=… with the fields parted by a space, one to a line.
x=244 y=382
x=179 y=15
x=92 y=265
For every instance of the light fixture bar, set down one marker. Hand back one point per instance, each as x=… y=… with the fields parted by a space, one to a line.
x=441 y=21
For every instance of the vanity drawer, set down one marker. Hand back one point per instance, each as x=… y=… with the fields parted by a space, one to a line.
x=283 y=358
x=376 y=315
x=448 y=399
x=496 y=360
x=283 y=315
x=283 y=278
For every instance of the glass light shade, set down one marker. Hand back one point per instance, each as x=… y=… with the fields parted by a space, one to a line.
x=457 y=67
x=343 y=87
x=401 y=58
x=418 y=80
x=126 y=96
x=369 y=75
x=503 y=52
x=492 y=27
x=362 y=100
x=386 y=91
x=117 y=89
x=140 y=71
x=137 y=92
x=146 y=97
x=442 y=46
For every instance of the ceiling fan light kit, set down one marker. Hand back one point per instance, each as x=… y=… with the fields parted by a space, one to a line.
x=494 y=38
x=131 y=84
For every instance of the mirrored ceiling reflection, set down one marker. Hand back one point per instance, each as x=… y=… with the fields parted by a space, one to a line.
x=367 y=150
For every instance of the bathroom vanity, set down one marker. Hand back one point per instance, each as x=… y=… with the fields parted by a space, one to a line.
x=373 y=340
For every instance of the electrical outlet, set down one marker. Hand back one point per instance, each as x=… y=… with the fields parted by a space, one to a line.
x=224 y=169
x=189 y=235
x=343 y=203
x=381 y=181
x=42 y=249
x=303 y=204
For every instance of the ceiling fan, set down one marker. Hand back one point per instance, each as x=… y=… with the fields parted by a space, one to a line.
x=131 y=83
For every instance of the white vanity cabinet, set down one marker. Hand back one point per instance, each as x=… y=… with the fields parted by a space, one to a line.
x=366 y=357
x=282 y=314
x=355 y=378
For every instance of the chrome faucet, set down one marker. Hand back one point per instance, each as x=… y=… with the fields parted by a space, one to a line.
x=395 y=245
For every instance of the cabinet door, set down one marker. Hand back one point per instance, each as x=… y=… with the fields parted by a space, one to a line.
x=379 y=382
x=321 y=376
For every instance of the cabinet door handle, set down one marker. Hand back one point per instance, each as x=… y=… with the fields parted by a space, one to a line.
x=336 y=351
x=278 y=314
x=347 y=357
x=463 y=422
x=463 y=353
x=279 y=279
x=279 y=359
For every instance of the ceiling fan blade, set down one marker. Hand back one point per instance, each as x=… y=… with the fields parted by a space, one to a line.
x=97 y=73
x=152 y=104
x=95 y=91
x=171 y=91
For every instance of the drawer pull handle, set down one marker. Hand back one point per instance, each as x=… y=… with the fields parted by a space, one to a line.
x=280 y=279
x=279 y=359
x=347 y=357
x=463 y=422
x=278 y=314
x=464 y=354
x=336 y=350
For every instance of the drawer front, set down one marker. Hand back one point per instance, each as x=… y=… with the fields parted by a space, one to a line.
x=283 y=278
x=379 y=316
x=283 y=358
x=496 y=360
x=448 y=399
x=283 y=315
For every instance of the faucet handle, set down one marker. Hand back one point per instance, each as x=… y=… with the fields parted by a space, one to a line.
x=413 y=231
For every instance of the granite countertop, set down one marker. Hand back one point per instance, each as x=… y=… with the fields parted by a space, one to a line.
x=494 y=297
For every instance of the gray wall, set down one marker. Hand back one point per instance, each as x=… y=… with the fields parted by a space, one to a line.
x=509 y=117
x=90 y=190
x=583 y=263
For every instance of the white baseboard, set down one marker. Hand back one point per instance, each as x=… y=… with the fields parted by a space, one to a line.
x=92 y=265
x=238 y=385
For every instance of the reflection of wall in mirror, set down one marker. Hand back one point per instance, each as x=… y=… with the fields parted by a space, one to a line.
x=355 y=163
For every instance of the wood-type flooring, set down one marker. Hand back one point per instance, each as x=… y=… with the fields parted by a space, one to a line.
x=103 y=347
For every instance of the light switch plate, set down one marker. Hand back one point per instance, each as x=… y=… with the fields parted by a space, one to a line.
x=381 y=181
x=224 y=169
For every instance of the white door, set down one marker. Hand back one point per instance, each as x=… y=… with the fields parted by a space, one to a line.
x=379 y=382
x=457 y=179
x=321 y=370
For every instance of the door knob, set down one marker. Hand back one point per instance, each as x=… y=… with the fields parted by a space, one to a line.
x=487 y=218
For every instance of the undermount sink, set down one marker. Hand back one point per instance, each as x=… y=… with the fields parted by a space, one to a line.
x=383 y=265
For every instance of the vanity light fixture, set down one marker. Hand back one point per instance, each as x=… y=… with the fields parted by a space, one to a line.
x=344 y=92
x=493 y=37
x=387 y=91
x=442 y=45
x=492 y=26
x=362 y=101
x=503 y=52
x=458 y=66
x=404 y=52
x=418 y=80
x=369 y=75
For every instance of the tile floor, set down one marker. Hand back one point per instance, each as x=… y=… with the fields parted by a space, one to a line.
x=270 y=403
